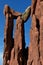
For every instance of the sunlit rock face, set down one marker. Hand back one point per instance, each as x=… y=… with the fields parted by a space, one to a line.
x=15 y=52
x=35 y=53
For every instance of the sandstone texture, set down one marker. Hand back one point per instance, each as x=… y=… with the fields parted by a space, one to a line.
x=35 y=53
x=15 y=52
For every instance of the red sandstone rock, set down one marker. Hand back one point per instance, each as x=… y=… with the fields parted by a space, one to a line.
x=18 y=37
x=8 y=33
x=35 y=53
x=8 y=39
x=15 y=52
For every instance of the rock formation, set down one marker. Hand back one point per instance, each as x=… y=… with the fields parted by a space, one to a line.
x=14 y=49
x=15 y=52
x=35 y=53
x=8 y=32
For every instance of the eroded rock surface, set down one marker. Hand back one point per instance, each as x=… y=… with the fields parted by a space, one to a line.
x=35 y=53
x=15 y=52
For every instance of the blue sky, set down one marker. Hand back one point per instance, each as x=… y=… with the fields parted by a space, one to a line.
x=17 y=5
